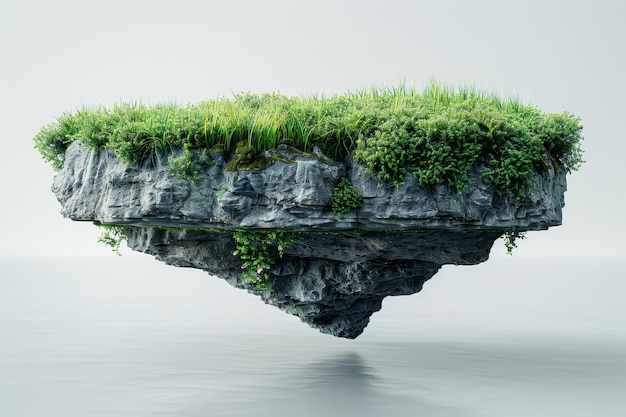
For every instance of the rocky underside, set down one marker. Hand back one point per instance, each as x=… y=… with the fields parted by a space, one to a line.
x=332 y=281
x=339 y=269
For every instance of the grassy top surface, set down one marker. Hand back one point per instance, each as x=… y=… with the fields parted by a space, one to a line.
x=438 y=133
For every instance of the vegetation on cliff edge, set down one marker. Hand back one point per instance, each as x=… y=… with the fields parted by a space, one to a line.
x=438 y=133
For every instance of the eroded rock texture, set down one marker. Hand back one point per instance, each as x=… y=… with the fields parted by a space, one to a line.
x=333 y=282
x=294 y=193
x=340 y=269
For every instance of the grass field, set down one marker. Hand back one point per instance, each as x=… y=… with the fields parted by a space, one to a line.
x=437 y=133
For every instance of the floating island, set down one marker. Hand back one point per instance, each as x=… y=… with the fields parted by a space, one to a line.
x=322 y=206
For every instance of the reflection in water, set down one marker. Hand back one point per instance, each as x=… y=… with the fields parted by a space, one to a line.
x=344 y=385
x=342 y=374
x=456 y=379
x=341 y=385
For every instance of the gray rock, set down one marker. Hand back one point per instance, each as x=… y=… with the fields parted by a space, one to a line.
x=333 y=281
x=340 y=269
x=293 y=195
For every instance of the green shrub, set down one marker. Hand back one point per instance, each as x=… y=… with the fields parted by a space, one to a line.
x=253 y=248
x=112 y=236
x=346 y=198
x=52 y=142
x=561 y=134
x=188 y=165
x=510 y=240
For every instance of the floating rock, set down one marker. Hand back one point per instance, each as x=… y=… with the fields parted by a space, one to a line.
x=339 y=269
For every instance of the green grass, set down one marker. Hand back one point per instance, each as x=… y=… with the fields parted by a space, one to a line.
x=438 y=133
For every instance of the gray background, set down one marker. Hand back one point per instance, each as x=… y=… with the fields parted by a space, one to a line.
x=57 y=56
x=85 y=333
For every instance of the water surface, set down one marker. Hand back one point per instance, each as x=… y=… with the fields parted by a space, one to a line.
x=132 y=337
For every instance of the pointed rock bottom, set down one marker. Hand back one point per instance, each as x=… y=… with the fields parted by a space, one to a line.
x=333 y=281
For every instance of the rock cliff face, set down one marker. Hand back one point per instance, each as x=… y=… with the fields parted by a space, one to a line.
x=294 y=195
x=339 y=270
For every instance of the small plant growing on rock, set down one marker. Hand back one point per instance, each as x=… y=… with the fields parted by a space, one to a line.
x=188 y=165
x=346 y=198
x=112 y=236
x=510 y=240
x=253 y=249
